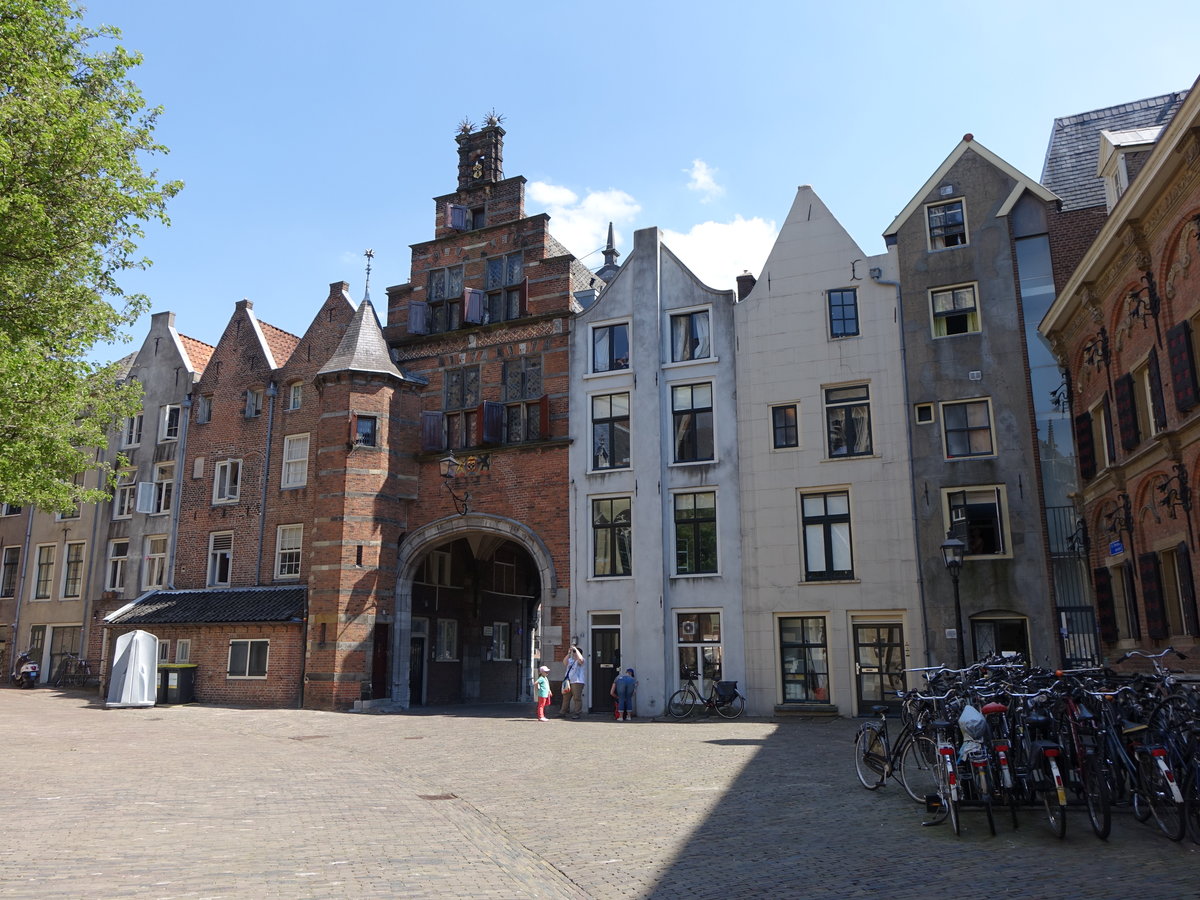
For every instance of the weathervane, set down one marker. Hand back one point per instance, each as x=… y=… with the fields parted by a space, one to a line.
x=370 y=255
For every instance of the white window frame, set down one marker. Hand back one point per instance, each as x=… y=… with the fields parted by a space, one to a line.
x=291 y=553
x=167 y=415
x=183 y=650
x=10 y=509
x=980 y=494
x=295 y=395
x=685 y=639
x=295 y=465
x=687 y=358
x=164 y=650
x=254 y=403
x=245 y=674
x=502 y=641
x=155 y=562
x=937 y=244
x=67 y=592
x=131 y=432
x=125 y=494
x=436 y=568
x=44 y=563
x=937 y=320
x=446 y=641
x=227 y=481
x=220 y=548
x=164 y=488
x=991 y=428
x=117 y=568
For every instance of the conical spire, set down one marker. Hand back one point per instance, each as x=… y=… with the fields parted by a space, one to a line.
x=610 y=267
x=362 y=348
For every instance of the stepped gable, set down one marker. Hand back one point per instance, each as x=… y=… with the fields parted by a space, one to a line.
x=1073 y=153
x=362 y=348
x=198 y=352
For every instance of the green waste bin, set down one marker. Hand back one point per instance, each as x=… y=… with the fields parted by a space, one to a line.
x=176 y=683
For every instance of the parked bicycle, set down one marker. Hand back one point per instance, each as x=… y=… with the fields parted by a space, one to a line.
x=911 y=760
x=72 y=672
x=723 y=697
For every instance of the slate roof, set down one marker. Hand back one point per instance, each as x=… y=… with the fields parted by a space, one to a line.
x=207 y=606
x=362 y=348
x=1074 y=149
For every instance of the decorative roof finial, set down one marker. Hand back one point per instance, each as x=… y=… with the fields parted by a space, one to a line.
x=370 y=255
x=466 y=126
x=493 y=118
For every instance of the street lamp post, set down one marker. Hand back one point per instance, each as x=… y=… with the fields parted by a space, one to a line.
x=952 y=554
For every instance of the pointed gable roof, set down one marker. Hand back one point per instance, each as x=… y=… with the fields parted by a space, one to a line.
x=281 y=343
x=1023 y=182
x=198 y=352
x=362 y=348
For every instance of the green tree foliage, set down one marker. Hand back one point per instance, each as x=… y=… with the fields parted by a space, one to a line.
x=74 y=132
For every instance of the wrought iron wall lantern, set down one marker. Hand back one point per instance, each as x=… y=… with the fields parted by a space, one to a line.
x=449 y=468
x=1177 y=494
x=1120 y=520
x=1095 y=351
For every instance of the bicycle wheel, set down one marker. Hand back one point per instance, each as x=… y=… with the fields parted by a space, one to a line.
x=682 y=703
x=1056 y=812
x=1095 y=794
x=732 y=708
x=1191 y=804
x=1160 y=798
x=870 y=756
x=919 y=768
x=950 y=792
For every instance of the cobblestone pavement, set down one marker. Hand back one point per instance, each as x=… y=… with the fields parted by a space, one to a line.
x=217 y=802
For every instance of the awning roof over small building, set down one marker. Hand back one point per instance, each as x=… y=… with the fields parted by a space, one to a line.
x=209 y=606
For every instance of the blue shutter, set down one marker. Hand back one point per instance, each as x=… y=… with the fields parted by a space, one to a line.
x=491 y=422
x=457 y=217
x=418 y=317
x=473 y=307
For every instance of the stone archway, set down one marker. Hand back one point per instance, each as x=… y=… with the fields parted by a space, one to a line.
x=477 y=527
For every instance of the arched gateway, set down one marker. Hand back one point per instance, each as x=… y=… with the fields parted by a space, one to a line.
x=470 y=594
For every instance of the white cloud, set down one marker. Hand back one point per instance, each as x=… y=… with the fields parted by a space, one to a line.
x=582 y=225
x=704 y=180
x=718 y=252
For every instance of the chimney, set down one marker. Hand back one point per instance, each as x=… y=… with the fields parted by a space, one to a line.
x=745 y=284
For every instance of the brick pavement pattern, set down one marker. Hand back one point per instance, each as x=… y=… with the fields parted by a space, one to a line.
x=218 y=802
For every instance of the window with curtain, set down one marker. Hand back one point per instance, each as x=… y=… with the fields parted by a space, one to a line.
x=827 y=550
x=848 y=421
x=691 y=408
x=690 y=336
x=610 y=347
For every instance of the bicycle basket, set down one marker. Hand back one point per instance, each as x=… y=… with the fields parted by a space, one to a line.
x=726 y=690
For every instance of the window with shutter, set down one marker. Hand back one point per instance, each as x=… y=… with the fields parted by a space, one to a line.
x=474 y=306
x=432 y=434
x=1127 y=420
x=418 y=317
x=1106 y=613
x=1183 y=366
x=1110 y=445
x=491 y=421
x=1156 y=613
x=458 y=217
x=1187 y=589
x=1085 y=446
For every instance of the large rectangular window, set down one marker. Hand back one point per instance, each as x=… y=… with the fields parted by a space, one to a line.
x=445 y=298
x=968 y=428
x=523 y=392
x=289 y=543
x=827 y=548
x=804 y=655
x=73 y=571
x=295 y=461
x=248 y=659
x=445 y=648
x=612 y=537
x=461 y=402
x=692 y=419
x=118 y=563
x=8 y=571
x=690 y=336
x=44 y=577
x=947 y=225
x=154 y=572
x=698 y=646
x=955 y=310
x=848 y=421
x=610 y=431
x=505 y=288
x=220 y=558
x=976 y=517
x=610 y=347
x=696 y=533
x=843 y=313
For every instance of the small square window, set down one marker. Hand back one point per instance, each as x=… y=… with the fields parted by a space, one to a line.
x=924 y=413
x=947 y=225
x=785 y=430
x=967 y=427
x=364 y=431
x=843 y=313
x=977 y=518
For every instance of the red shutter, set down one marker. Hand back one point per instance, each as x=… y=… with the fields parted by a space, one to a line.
x=1156 y=613
x=418 y=317
x=433 y=435
x=473 y=308
x=544 y=413
x=1158 y=406
x=1106 y=612
x=1187 y=589
x=1183 y=366
x=491 y=422
x=1085 y=446
x=1127 y=422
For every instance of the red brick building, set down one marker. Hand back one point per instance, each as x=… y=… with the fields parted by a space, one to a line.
x=1124 y=327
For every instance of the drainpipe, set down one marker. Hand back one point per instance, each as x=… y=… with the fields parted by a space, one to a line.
x=180 y=456
x=19 y=597
x=266 y=473
x=85 y=630
x=877 y=277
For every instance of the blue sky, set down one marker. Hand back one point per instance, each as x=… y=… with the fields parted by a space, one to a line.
x=307 y=132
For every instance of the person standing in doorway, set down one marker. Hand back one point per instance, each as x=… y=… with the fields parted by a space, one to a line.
x=623 y=689
x=542 y=689
x=574 y=683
